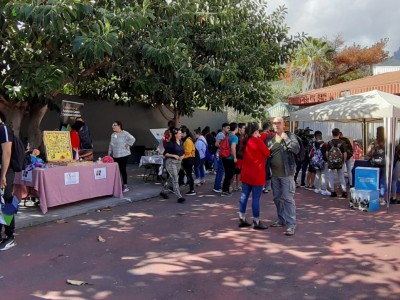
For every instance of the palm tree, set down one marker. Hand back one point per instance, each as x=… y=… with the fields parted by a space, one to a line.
x=312 y=62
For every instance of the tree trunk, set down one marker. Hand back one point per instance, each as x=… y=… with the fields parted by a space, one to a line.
x=36 y=114
x=14 y=113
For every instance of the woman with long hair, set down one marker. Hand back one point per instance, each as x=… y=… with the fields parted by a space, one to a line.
x=255 y=152
x=201 y=146
x=120 y=150
x=174 y=155
x=189 y=158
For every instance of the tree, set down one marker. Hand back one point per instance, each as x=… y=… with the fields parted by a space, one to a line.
x=46 y=44
x=312 y=61
x=202 y=54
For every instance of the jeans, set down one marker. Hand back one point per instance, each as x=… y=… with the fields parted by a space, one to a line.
x=220 y=174
x=320 y=178
x=173 y=166
x=348 y=170
x=255 y=191
x=395 y=178
x=199 y=170
x=303 y=166
x=229 y=167
x=122 y=162
x=382 y=181
x=8 y=196
x=341 y=179
x=283 y=189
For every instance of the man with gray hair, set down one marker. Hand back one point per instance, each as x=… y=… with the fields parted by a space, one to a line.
x=283 y=146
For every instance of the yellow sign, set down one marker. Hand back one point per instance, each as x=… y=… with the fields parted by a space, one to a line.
x=58 y=146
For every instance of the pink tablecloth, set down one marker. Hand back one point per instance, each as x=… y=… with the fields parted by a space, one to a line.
x=49 y=184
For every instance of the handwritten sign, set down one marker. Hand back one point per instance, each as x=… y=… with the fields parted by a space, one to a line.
x=71 y=178
x=58 y=146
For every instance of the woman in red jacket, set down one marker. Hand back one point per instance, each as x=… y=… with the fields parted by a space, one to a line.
x=255 y=152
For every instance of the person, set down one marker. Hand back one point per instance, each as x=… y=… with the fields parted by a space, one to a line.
x=167 y=133
x=319 y=162
x=396 y=176
x=336 y=156
x=174 y=154
x=347 y=163
x=255 y=152
x=75 y=139
x=188 y=159
x=119 y=148
x=230 y=161
x=376 y=155
x=206 y=132
x=6 y=183
x=283 y=146
x=238 y=167
x=265 y=133
x=219 y=164
x=302 y=165
x=201 y=146
x=86 y=146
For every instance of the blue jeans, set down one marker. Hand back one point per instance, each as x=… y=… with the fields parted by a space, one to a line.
x=283 y=189
x=199 y=171
x=255 y=191
x=220 y=174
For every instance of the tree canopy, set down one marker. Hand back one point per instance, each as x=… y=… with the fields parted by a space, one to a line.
x=177 y=54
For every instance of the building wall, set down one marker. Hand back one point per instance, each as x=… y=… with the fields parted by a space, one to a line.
x=376 y=70
x=136 y=119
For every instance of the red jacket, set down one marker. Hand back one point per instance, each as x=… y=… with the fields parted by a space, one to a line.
x=253 y=167
x=75 y=140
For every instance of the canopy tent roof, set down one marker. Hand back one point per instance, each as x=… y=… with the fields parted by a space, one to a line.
x=365 y=107
x=280 y=109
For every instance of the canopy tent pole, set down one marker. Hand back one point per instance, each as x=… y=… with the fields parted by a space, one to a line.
x=365 y=136
x=390 y=125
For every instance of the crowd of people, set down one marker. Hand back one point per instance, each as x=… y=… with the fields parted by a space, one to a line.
x=242 y=159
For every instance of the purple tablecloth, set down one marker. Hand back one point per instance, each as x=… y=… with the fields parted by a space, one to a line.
x=50 y=186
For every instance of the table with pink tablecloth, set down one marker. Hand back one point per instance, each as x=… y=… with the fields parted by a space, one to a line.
x=66 y=184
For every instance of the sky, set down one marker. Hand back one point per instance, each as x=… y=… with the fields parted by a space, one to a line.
x=363 y=22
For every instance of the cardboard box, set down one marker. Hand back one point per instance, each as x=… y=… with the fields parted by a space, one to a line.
x=366 y=178
x=365 y=200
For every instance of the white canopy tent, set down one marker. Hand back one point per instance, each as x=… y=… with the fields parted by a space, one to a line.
x=373 y=106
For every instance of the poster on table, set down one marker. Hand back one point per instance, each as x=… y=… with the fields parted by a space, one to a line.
x=26 y=175
x=71 y=178
x=58 y=146
x=100 y=173
x=69 y=112
x=158 y=134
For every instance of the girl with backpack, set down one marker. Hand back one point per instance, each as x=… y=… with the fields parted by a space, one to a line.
x=319 y=162
x=201 y=146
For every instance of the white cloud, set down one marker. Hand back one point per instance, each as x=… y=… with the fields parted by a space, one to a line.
x=363 y=22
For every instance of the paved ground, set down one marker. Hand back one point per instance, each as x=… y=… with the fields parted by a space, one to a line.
x=159 y=249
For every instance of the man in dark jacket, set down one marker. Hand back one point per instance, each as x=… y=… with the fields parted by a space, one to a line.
x=283 y=146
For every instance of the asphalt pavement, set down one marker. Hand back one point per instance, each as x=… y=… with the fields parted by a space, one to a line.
x=159 y=249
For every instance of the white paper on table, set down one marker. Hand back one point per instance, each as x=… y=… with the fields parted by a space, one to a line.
x=71 y=178
x=100 y=173
x=26 y=176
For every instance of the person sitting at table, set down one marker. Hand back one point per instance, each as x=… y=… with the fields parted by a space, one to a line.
x=75 y=139
x=174 y=155
x=119 y=149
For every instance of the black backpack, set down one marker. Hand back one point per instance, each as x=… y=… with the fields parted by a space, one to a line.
x=300 y=156
x=17 y=161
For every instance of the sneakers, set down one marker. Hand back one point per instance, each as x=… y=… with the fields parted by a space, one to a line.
x=317 y=191
x=226 y=194
x=344 y=195
x=382 y=201
x=277 y=224
x=243 y=223
x=164 y=195
x=217 y=190
x=259 y=225
x=197 y=182
x=125 y=188
x=265 y=190
x=7 y=243
x=394 y=201
x=333 y=194
x=190 y=193
x=325 y=193
x=310 y=187
x=181 y=200
x=290 y=231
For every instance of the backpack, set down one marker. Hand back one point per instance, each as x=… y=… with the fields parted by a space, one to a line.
x=224 y=147
x=17 y=161
x=317 y=160
x=335 y=156
x=207 y=156
x=196 y=158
